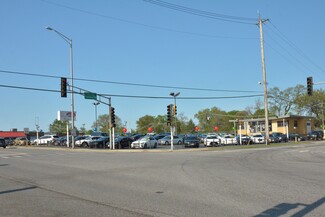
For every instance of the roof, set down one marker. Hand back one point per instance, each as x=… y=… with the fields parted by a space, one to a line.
x=11 y=134
x=272 y=118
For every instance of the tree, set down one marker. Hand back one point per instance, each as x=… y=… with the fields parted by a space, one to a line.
x=209 y=118
x=103 y=123
x=59 y=127
x=282 y=102
x=145 y=122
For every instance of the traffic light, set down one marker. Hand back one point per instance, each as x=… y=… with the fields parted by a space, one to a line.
x=113 y=117
x=63 y=87
x=175 y=110
x=169 y=115
x=310 y=86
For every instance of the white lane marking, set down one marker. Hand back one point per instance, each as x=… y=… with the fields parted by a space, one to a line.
x=304 y=151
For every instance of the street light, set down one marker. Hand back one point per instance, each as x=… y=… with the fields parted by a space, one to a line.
x=175 y=120
x=69 y=41
x=96 y=104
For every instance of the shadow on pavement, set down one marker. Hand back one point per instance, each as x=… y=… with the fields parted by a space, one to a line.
x=283 y=208
x=16 y=190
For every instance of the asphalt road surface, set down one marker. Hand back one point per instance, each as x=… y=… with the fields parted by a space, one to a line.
x=283 y=181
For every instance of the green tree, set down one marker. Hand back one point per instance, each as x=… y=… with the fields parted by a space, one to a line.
x=59 y=127
x=283 y=102
x=145 y=122
x=103 y=124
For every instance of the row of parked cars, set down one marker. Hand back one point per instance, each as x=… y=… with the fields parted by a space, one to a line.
x=102 y=140
x=214 y=139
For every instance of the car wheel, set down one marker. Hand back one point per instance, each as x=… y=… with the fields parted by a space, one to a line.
x=166 y=143
x=155 y=146
x=84 y=144
x=145 y=146
x=179 y=142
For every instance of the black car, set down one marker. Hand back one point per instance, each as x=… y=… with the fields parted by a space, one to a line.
x=123 y=142
x=297 y=137
x=315 y=135
x=282 y=137
x=99 y=143
x=3 y=143
x=191 y=142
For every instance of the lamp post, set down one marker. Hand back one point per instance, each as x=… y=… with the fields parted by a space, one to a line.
x=96 y=104
x=175 y=120
x=69 y=41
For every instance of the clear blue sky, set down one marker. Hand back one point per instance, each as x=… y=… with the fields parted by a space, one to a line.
x=135 y=41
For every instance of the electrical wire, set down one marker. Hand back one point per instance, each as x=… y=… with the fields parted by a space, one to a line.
x=299 y=51
x=222 y=17
x=131 y=84
x=134 y=96
x=142 y=24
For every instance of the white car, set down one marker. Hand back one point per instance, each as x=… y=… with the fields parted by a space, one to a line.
x=145 y=142
x=228 y=140
x=85 y=142
x=258 y=139
x=211 y=140
x=47 y=139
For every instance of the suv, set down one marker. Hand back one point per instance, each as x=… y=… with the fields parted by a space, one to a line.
x=47 y=139
x=3 y=143
x=315 y=135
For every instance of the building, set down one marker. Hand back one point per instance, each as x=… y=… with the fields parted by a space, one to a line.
x=284 y=124
x=12 y=134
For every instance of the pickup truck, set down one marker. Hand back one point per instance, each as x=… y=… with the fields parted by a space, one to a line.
x=211 y=140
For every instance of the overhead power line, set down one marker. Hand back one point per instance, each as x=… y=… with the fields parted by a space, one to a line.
x=222 y=17
x=134 y=96
x=91 y=13
x=132 y=84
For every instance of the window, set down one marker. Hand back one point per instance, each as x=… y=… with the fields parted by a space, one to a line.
x=295 y=123
x=280 y=123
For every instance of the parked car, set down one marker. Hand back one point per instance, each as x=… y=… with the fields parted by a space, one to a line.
x=245 y=140
x=122 y=142
x=228 y=140
x=191 y=142
x=9 y=141
x=3 y=143
x=297 y=136
x=21 y=141
x=258 y=139
x=282 y=137
x=46 y=139
x=315 y=135
x=211 y=140
x=137 y=136
x=167 y=140
x=145 y=142
x=85 y=142
x=100 y=142
x=273 y=138
x=157 y=137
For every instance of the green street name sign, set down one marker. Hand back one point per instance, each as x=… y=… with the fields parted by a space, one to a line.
x=90 y=95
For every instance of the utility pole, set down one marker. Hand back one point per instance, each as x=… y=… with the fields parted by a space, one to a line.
x=260 y=25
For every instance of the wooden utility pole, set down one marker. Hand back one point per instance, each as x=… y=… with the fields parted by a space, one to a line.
x=260 y=25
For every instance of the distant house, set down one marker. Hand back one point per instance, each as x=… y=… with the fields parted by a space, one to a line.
x=284 y=124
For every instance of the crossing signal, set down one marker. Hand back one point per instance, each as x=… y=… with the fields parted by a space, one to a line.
x=310 y=86
x=63 y=87
x=169 y=115
x=113 y=117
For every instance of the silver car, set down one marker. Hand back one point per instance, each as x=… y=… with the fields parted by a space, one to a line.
x=167 y=140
